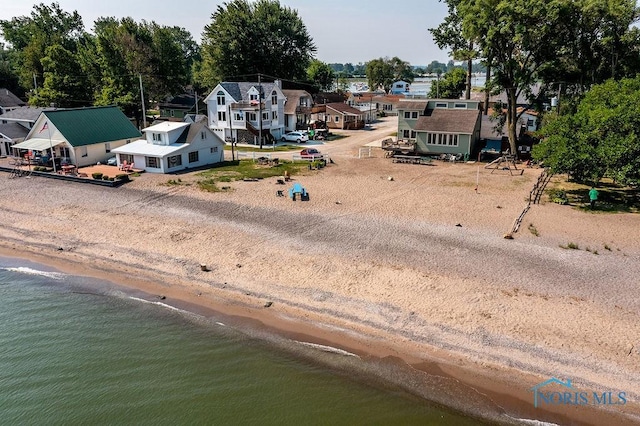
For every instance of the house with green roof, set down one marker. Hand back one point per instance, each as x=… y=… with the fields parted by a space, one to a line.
x=82 y=136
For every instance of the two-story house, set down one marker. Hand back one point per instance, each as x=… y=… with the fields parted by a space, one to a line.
x=297 y=109
x=170 y=147
x=242 y=112
x=440 y=126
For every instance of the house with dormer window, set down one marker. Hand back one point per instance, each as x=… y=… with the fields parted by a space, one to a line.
x=169 y=147
x=242 y=112
x=440 y=126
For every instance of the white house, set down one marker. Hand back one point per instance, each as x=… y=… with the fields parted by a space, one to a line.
x=244 y=111
x=400 y=87
x=170 y=147
x=81 y=136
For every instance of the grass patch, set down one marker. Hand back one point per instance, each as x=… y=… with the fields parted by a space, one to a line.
x=533 y=230
x=612 y=198
x=230 y=171
x=571 y=246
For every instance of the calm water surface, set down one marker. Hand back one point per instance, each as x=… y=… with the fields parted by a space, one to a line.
x=69 y=355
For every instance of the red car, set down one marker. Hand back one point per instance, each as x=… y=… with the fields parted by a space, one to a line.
x=310 y=153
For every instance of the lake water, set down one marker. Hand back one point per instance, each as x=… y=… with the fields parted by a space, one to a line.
x=75 y=350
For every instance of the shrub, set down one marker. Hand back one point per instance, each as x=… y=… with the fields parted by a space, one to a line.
x=96 y=175
x=105 y=177
x=558 y=196
x=123 y=176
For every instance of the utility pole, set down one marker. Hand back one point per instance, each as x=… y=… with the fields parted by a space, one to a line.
x=144 y=113
x=196 y=93
x=35 y=84
x=260 y=110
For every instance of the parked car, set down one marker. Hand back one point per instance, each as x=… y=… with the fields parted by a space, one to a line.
x=295 y=137
x=310 y=153
x=112 y=161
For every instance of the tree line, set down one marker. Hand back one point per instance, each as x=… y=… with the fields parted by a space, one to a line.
x=568 y=47
x=52 y=59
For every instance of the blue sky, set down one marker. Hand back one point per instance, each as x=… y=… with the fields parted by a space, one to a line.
x=343 y=30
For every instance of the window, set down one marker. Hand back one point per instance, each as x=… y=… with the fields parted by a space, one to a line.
x=173 y=114
x=222 y=116
x=460 y=106
x=387 y=107
x=193 y=157
x=274 y=115
x=174 y=161
x=156 y=137
x=126 y=157
x=214 y=149
x=442 y=139
x=529 y=122
x=83 y=151
x=252 y=116
x=414 y=114
x=407 y=114
x=274 y=98
x=107 y=147
x=203 y=135
x=265 y=116
x=152 y=162
x=221 y=98
x=441 y=105
x=405 y=134
x=237 y=116
x=337 y=118
x=413 y=134
x=253 y=97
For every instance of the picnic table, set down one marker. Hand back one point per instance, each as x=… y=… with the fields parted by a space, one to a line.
x=411 y=159
x=297 y=189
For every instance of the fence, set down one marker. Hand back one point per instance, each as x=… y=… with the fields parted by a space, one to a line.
x=365 y=152
x=252 y=155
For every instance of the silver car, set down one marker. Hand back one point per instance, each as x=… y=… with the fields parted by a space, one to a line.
x=295 y=137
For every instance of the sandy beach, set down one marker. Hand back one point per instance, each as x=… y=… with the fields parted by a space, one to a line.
x=413 y=268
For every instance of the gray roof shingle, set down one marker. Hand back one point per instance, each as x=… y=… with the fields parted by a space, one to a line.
x=448 y=121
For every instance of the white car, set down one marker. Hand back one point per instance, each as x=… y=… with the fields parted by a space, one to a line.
x=112 y=161
x=295 y=137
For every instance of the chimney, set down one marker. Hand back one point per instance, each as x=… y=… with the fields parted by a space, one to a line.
x=278 y=84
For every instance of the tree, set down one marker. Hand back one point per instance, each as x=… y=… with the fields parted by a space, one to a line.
x=451 y=86
x=384 y=72
x=250 y=38
x=601 y=139
x=449 y=35
x=63 y=86
x=321 y=75
x=30 y=36
x=8 y=71
x=528 y=41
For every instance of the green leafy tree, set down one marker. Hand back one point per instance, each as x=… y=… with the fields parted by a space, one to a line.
x=383 y=72
x=321 y=75
x=449 y=35
x=63 y=85
x=601 y=139
x=451 y=86
x=8 y=71
x=531 y=41
x=249 y=38
x=30 y=36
